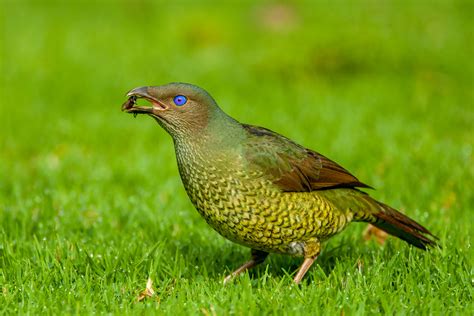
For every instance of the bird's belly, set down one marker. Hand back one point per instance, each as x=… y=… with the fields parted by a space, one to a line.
x=261 y=217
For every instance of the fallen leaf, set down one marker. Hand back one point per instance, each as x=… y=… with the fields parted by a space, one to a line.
x=449 y=200
x=372 y=232
x=147 y=292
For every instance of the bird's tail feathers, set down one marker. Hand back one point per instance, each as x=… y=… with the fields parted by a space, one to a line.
x=397 y=224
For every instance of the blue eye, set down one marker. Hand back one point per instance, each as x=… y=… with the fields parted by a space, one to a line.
x=180 y=100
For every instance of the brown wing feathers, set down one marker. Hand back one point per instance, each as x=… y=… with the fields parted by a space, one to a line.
x=295 y=168
x=333 y=175
x=316 y=172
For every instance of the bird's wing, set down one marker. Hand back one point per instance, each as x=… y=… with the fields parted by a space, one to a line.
x=292 y=167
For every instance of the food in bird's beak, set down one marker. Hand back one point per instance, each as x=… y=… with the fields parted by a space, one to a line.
x=129 y=103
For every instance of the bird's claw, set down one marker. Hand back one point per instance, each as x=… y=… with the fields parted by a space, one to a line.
x=227 y=279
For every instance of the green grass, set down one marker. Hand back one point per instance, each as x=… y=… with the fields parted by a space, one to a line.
x=91 y=203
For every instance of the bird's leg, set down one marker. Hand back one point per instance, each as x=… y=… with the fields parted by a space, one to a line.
x=304 y=268
x=258 y=257
x=312 y=250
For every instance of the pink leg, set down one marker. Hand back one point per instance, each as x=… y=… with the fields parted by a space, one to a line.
x=304 y=268
x=257 y=258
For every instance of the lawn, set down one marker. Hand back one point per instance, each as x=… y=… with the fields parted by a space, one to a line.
x=91 y=204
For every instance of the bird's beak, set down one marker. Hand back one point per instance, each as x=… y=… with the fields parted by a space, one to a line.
x=130 y=105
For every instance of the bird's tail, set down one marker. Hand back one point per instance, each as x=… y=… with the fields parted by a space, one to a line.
x=397 y=224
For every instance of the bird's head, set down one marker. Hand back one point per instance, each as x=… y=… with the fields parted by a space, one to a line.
x=180 y=108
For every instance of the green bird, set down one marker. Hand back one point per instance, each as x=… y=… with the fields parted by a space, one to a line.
x=258 y=188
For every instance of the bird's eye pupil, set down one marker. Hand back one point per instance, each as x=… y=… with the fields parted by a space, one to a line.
x=180 y=100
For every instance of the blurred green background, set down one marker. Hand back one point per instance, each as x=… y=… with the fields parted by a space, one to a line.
x=91 y=202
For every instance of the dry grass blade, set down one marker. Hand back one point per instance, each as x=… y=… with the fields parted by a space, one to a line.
x=208 y=312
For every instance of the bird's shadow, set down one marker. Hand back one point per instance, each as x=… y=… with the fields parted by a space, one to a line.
x=216 y=262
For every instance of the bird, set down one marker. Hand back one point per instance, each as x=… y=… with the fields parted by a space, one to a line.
x=260 y=189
